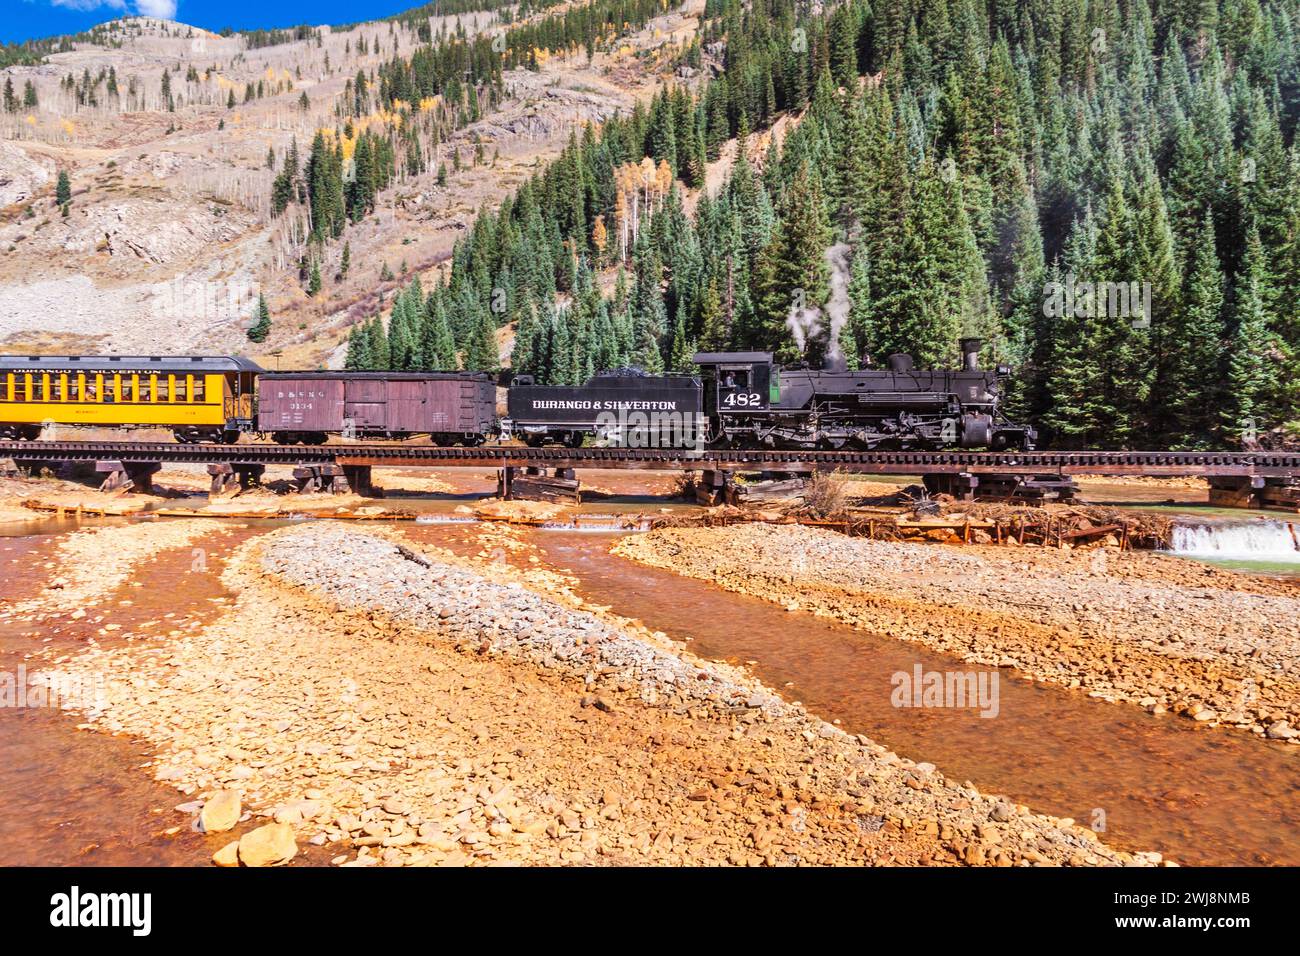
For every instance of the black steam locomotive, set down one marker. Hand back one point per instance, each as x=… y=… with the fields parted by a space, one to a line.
x=744 y=400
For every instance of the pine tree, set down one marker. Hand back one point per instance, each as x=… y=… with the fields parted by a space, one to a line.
x=358 y=354
x=716 y=335
x=63 y=189
x=261 y=327
x=861 y=322
x=481 y=352
x=1254 y=363
x=1193 y=377
x=682 y=348
x=437 y=346
x=377 y=345
x=793 y=272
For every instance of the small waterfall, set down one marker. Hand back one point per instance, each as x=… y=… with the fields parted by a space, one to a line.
x=1250 y=541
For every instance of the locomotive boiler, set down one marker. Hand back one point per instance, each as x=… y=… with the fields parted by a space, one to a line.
x=751 y=402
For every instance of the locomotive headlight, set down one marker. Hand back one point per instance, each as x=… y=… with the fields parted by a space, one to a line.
x=1003 y=371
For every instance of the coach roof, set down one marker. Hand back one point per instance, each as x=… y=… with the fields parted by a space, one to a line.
x=184 y=364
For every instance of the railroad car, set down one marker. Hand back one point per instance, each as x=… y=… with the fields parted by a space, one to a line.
x=200 y=398
x=626 y=407
x=307 y=407
x=740 y=399
x=751 y=402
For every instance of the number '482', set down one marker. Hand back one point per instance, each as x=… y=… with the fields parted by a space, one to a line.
x=742 y=398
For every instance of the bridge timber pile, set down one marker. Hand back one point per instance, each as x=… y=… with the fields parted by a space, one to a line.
x=1235 y=478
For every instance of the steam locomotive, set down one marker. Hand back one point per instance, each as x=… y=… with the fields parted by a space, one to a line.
x=739 y=400
x=745 y=400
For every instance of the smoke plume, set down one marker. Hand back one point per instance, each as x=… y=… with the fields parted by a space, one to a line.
x=838 y=305
x=805 y=321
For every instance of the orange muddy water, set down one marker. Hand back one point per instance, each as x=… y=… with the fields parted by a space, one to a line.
x=71 y=797
x=1198 y=795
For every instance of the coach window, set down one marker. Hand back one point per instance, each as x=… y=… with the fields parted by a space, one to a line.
x=197 y=388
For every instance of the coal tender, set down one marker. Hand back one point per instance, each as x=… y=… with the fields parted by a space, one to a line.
x=626 y=408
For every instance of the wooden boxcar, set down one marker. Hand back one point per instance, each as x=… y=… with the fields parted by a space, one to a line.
x=200 y=398
x=450 y=407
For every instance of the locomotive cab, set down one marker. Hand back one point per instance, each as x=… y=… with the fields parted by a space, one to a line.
x=737 y=381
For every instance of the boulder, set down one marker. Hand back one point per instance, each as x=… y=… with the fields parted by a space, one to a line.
x=221 y=812
x=1281 y=730
x=228 y=855
x=269 y=845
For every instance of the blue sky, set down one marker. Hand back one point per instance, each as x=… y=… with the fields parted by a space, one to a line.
x=29 y=19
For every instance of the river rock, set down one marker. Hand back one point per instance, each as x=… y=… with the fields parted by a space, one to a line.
x=221 y=812
x=1281 y=730
x=268 y=845
x=228 y=855
x=1001 y=812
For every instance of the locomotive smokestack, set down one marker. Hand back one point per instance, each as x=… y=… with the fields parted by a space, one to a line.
x=899 y=362
x=970 y=354
x=834 y=362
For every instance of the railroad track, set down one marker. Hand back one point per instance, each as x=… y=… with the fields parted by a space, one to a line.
x=1153 y=463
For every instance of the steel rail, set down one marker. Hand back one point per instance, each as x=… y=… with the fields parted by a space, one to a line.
x=1155 y=463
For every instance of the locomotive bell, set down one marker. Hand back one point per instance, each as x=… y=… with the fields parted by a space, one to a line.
x=970 y=354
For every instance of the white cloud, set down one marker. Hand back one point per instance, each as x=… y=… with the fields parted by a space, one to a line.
x=165 y=9
x=90 y=4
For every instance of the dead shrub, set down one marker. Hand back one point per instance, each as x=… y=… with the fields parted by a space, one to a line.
x=825 y=495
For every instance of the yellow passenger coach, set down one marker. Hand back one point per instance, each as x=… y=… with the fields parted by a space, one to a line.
x=200 y=398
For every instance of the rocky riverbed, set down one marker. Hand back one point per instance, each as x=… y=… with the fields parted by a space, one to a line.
x=1168 y=635
x=92 y=563
x=404 y=706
